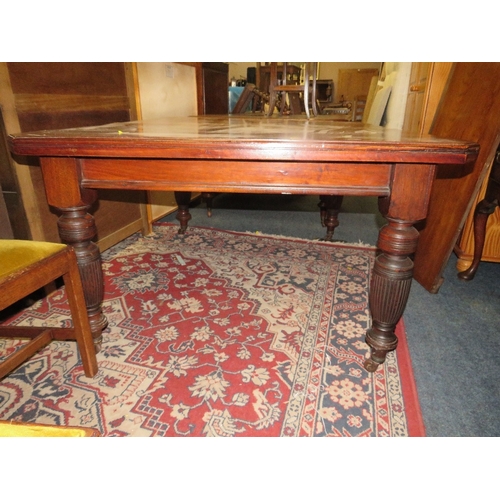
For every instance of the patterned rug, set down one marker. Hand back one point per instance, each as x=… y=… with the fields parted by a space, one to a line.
x=217 y=333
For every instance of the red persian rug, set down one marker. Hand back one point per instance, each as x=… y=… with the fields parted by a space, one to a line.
x=217 y=333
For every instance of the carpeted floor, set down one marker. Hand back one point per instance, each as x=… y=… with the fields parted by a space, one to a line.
x=453 y=336
x=218 y=333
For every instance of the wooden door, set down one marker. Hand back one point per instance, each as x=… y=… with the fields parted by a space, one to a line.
x=416 y=94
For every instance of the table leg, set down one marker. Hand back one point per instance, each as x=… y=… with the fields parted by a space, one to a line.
x=208 y=199
x=390 y=287
x=329 y=211
x=77 y=228
x=183 y=198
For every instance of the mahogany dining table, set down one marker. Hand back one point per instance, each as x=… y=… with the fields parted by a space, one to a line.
x=250 y=154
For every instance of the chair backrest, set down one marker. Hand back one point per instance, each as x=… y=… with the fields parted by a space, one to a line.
x=285 y=85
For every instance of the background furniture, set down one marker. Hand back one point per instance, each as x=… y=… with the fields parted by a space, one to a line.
x=36 y=96
x=486 y=207
x=213 y=80
x=26 y=267
x=353 y=86
x=469 y=110
x=292 y=94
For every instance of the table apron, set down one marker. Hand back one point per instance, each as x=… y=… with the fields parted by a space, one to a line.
x=237 y=176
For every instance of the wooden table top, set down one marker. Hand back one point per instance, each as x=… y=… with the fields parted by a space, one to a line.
x=245 y=137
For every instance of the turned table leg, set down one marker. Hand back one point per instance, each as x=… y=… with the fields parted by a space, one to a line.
x=183 y=198
x=77 y=228
x=329 y=212
x=208 y=199
x=390 y=287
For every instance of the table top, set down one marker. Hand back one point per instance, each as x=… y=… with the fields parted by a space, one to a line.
x=245 y=137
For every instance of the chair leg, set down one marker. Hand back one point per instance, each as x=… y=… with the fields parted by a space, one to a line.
x=306 y=90
x=76 y=301
x=483 y=210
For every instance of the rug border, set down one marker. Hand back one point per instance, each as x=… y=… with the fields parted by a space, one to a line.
x=413 y=410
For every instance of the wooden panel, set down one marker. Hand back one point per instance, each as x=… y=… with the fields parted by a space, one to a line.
x=22 y=210
x=12 y=210
x=62 y=95
x=87 y=78
x=227 y=176
x=354 y=82
x=49 y=121
x=470 y=110
x=215 y=88
x=416 y=97
x=439 y=74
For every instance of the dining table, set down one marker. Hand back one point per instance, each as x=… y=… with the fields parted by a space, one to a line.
x=251 y=153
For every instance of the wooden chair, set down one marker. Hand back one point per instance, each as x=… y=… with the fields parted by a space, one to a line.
x=27 y=266
x=483 y=210
x=279 y=91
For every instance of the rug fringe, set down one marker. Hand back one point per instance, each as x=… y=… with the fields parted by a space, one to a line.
x=359 y=244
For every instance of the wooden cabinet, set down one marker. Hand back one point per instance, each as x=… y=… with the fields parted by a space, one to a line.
x=35 y=96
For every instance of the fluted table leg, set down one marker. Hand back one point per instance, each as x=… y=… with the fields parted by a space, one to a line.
x=77 y=228
x=393 y=270
x=390 y=288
